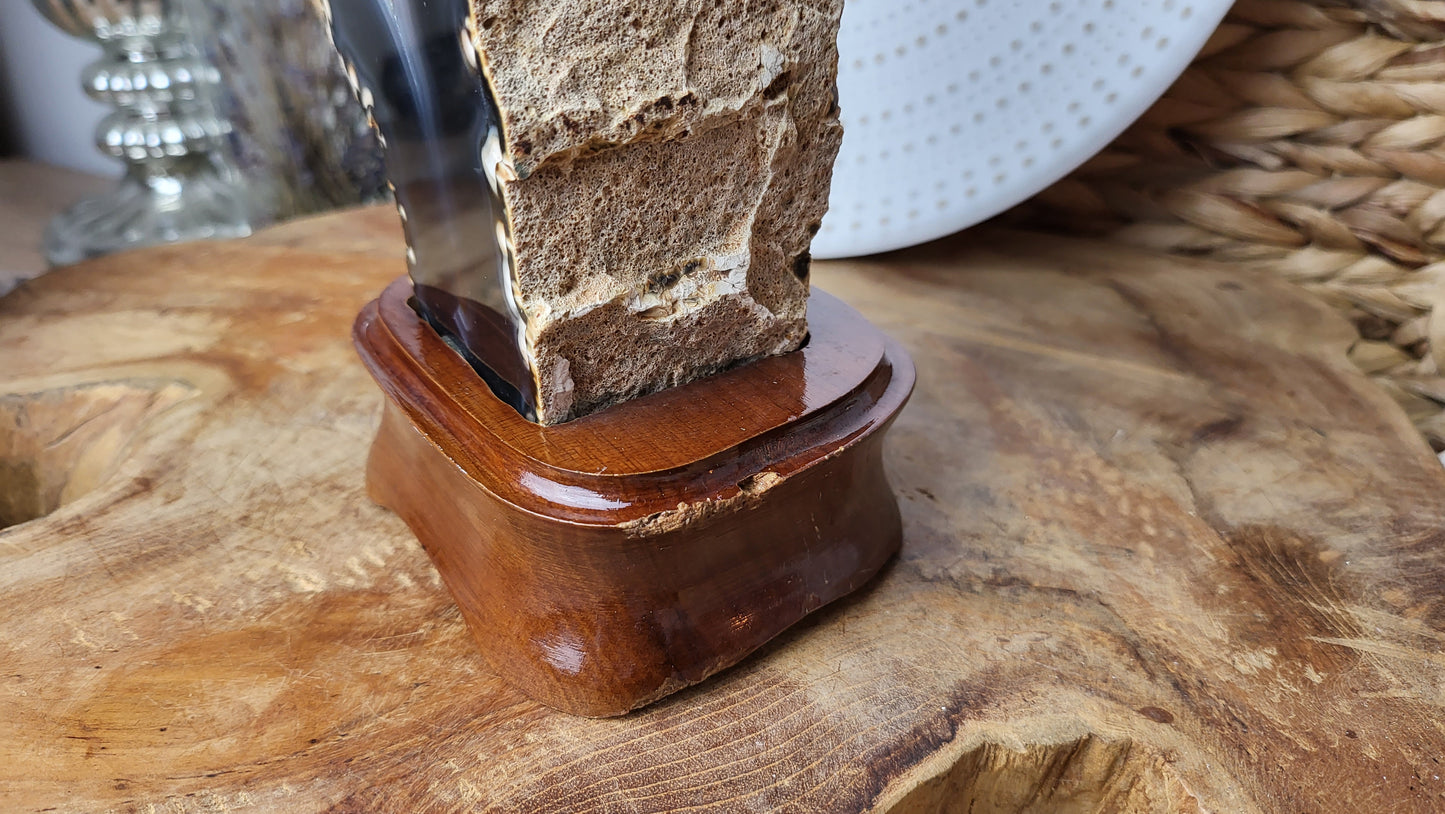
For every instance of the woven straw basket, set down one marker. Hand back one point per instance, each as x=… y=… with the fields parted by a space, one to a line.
x=1308 y=137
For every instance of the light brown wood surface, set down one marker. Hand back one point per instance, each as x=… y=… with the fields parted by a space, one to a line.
x=1163 y=550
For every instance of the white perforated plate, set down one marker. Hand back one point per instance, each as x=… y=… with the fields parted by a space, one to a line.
x=955 y=110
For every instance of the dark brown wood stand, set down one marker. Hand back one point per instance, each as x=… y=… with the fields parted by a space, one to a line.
x=607 y=562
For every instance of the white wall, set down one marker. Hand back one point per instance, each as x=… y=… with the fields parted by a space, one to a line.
x=54 y=118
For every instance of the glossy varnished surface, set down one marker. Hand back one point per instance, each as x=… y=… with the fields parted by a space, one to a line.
x=1164 y=550
x=648 y=454
x=608 y=562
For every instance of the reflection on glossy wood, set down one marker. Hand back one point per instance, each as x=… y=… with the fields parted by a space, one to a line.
x=607 y=562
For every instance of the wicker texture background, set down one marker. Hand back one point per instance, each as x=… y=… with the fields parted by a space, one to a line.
x=1308 y=137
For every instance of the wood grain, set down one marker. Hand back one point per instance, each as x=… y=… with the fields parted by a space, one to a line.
x=1164 y=550
x=610 y=561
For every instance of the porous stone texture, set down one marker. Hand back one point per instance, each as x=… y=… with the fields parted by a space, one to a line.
x=669 y=165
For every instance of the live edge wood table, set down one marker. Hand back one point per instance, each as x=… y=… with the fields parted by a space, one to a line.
x=1164 y=550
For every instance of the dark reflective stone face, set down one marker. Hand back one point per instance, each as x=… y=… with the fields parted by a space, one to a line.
x=416 y=70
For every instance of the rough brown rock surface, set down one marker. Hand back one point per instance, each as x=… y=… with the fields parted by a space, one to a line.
x=670 y=164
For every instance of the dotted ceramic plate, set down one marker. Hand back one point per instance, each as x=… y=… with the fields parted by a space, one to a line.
x=955 y=110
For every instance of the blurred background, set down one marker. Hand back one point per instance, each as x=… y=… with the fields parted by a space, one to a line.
x=256 y=121
x=44 y=114
x=296 y=124
x=952 y=112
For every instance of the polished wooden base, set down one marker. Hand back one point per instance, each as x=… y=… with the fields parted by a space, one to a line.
x=604 y=563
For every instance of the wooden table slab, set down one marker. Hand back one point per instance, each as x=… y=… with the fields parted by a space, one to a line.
x=1164 y=550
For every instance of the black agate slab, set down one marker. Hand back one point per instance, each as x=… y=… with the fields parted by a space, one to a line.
x=417 y=71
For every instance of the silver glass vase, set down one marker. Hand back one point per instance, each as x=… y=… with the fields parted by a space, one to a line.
x=178 y=183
